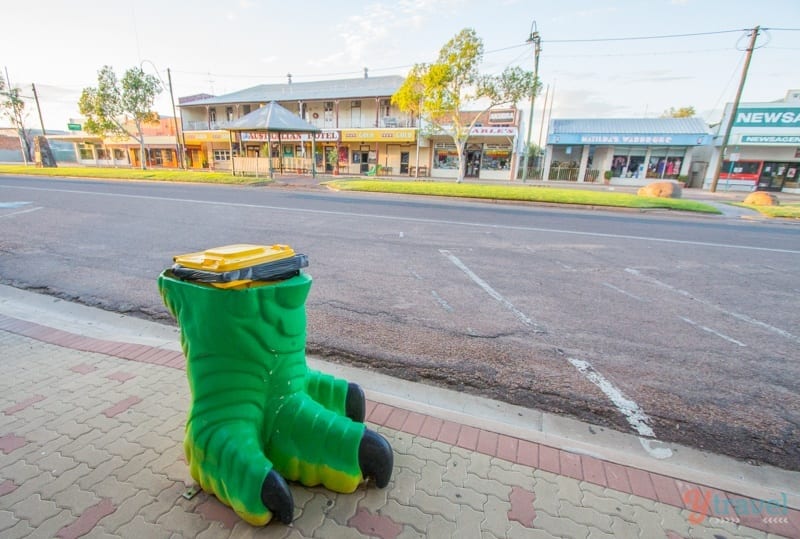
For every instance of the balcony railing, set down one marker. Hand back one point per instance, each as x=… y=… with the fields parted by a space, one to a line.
x=201 y=125
x=387 y=122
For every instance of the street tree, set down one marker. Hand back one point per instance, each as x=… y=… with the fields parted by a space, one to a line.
x=683 y=112
x=438 y=92
x=110 y=105
x=13 y=107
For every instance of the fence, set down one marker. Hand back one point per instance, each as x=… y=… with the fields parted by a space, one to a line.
x=571 y=174
x=260 y=166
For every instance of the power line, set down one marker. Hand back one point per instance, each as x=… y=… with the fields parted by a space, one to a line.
x=651 y=53
x=638 y=38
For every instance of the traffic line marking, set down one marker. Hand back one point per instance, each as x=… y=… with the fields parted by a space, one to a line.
x=635 y=416
x=709 y=330
x=693 y=297
x=29 y=210
x=491 y=291
x=625 y=292
x=411 y=219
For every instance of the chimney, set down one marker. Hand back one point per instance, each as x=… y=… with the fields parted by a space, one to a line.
x=289 y=76
x=365 y=73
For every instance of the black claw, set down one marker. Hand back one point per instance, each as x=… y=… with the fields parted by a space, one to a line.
x=375 y=458
x=277 y=497
x=355 y=404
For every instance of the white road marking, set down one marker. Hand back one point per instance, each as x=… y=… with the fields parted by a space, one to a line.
x=416 y=220
x=739 y=316
x=621 y=291
x=718 y=334
x=29 y=210
x=17 y=204
x=446 y=306
x=637 y=419
x=489 y=290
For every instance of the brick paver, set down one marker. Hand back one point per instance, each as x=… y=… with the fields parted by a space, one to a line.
x=106 y=461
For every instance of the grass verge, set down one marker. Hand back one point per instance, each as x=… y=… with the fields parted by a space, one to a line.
x=788 y=211
x=161 y=175
x=523 y=193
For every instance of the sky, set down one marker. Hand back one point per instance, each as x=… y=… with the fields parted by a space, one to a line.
x=221 y=47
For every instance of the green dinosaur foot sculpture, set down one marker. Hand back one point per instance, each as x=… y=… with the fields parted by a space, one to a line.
x=258 y=415
x=337 y=395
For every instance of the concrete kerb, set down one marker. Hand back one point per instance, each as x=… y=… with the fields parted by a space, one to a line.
x=688 y=464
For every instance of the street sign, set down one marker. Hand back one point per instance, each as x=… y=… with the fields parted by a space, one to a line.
x=74 y=127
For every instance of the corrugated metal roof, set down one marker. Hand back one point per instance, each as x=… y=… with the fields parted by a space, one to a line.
x=328 y=89
x=633 y=126
x=272 y=117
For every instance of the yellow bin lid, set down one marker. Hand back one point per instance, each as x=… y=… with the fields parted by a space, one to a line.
x=234 y=257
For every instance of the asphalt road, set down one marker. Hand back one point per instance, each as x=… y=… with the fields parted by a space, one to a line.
x=684 y=328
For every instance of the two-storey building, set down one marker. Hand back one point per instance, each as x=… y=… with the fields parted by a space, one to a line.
x=355 y=116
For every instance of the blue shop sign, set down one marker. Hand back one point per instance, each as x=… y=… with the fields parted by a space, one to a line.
x=650 y=139
x=768 y=117
x=771 y=139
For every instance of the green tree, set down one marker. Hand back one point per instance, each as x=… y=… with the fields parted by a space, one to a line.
x=108 y=106
x=13 y=108
x=683 y=112
x=437 y=92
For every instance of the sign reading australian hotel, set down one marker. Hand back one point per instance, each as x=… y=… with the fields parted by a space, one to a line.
x=288 y=137
x=768 y=117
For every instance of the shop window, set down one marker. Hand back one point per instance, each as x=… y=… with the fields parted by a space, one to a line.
x=496 y=157
x=156 y=158
x=119 y=155
x=103 y=153
x=222 y=155
x=86 y=152
x=628 y=161
x=445 y=157
x=663 y=167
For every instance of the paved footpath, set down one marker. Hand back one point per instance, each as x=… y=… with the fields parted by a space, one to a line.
x=91 y=435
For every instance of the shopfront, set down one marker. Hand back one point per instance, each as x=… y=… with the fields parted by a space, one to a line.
x=488 y=154
x=763 y=151
x=385 y=152
x=207 y=148
x=291 y=150
x=635 y=151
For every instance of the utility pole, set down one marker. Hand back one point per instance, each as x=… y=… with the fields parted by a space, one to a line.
x=537 y=48
x=734 y=108
x=38 y=108
x=178 y=133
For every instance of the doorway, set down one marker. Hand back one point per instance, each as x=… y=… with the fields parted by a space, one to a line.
x=404 y=162
x=364 y=162
x=473 y=163
x=773 y=175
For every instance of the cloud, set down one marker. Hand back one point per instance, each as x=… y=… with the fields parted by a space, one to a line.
x=595 y=12
x=585 y=104
x=660 y=75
